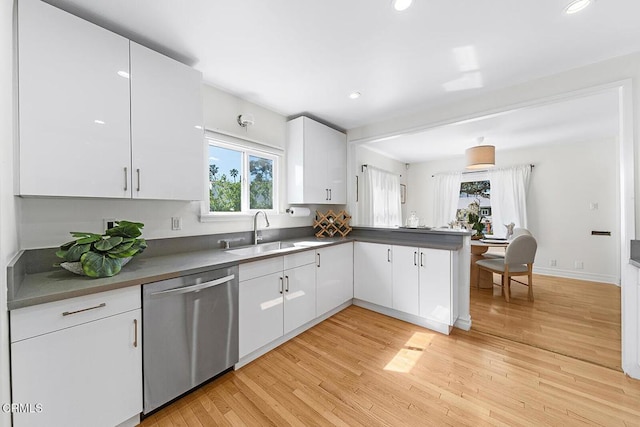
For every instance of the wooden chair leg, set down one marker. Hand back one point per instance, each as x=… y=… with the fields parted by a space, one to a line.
x=530 y=281
x=507 y=284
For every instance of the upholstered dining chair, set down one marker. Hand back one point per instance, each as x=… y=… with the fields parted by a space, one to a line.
x=518 y=261
x=516 y=232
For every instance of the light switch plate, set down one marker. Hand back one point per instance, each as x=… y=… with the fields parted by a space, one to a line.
x=176 y=223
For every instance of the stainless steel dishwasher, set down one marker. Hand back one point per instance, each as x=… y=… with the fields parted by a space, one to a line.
x=189 y=332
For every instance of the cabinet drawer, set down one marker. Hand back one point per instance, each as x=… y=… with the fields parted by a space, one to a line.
x=44 y=318
x=254 y=269
x=298 y=259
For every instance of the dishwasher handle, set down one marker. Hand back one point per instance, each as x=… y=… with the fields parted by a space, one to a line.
x=195 y=288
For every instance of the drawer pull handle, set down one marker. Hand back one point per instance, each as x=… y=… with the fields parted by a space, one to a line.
x=135 y=329
x=69 y=313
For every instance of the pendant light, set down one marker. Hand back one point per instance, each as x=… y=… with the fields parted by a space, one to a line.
x=481 y=156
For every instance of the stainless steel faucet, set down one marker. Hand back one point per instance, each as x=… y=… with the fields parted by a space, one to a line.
x=257 y=238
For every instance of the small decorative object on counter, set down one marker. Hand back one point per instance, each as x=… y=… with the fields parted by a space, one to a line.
x=413 y=220
x=96 y=255
x=509 y=227
x=332 y=224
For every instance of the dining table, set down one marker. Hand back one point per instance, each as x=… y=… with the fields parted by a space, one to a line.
x=478 y=250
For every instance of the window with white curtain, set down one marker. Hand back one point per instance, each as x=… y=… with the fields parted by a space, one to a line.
x=381 y=198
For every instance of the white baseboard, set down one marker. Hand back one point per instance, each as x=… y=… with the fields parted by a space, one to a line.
x=416 y=320
x=131 y=422
x=464 y=324
x=574 y=274
x=273 y=344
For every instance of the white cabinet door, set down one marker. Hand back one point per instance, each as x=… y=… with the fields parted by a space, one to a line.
x=405 y=279
x=90 y=374
x=336 y=167
x=334 y=276
x=373 y=273
x=166 y=128
x=73 y=105
x=435 y=285
x=316 y=163
x=260 y=312
x=299 y=296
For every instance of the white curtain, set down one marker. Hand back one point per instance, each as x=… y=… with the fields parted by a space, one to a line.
x=381 y=198
x=508 y=197
x=447 y=194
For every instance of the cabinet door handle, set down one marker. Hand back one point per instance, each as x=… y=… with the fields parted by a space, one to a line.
x=138 y=173
x=415 y=258
x=388 y=255
x=126 y=179
x=421 y=259
x=287 y=288
x=281 y=285
x=330 y=194
x=318 y=259
x=135 y=332
x=69 y=313
x=326 y=197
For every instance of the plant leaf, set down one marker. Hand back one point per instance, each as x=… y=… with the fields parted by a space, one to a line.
x=124 y=254
x=87 y=238
x=124 y=246
x=126 y=229
x=99 y=265
x=104 y=245
x=75 y=252
x=62 y=254
x=66 y=246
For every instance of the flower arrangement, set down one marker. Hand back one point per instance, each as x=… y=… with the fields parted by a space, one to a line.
x=471 y=216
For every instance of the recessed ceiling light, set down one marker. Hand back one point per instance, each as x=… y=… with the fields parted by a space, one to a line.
x=576 y=6
x=354 y=95
x=98 y=122
x=123 y=74
x=401 y=5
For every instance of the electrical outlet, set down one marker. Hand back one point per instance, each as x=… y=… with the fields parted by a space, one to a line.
x=578 y=265
x=108 y=223
x=176 y=223
x=553 y=263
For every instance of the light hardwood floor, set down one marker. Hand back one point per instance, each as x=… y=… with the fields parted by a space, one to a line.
x=360 y=368
x=571 y=317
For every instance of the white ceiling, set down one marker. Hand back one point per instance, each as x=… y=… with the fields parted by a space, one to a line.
x=587 y=118
x=298 y=57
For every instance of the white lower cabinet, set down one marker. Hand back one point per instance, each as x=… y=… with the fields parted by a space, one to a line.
x=417 y=281
x=373 y=274
x=334 y=276
x=406 y=275
x=436 y=285
x=277 y=295
x=78 y=362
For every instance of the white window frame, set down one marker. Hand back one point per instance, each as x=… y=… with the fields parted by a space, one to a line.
x=247 y=148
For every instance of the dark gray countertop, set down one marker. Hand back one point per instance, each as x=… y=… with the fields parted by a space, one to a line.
x=54 y=285
x=60 y=284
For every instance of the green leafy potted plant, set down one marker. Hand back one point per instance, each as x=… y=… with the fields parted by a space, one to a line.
x=97 y=255
x=474 y=219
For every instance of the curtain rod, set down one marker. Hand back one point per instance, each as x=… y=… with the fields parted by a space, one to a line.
x=365 y=166
x=478 y=171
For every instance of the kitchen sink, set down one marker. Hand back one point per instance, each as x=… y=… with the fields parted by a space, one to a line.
x=264 y=248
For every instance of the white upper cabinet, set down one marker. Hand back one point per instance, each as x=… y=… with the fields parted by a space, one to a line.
x=73 y=105
x=166 y=127
x=316 y=163
x=103 y=117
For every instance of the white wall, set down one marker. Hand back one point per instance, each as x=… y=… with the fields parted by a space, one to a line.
x=8 y=232
x=364 y=156
x=566 y=179
x=46 y=222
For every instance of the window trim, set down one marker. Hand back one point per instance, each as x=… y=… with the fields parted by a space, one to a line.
x=247 y=148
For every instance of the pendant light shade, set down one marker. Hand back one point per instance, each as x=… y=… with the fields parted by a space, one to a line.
x=481 y=157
